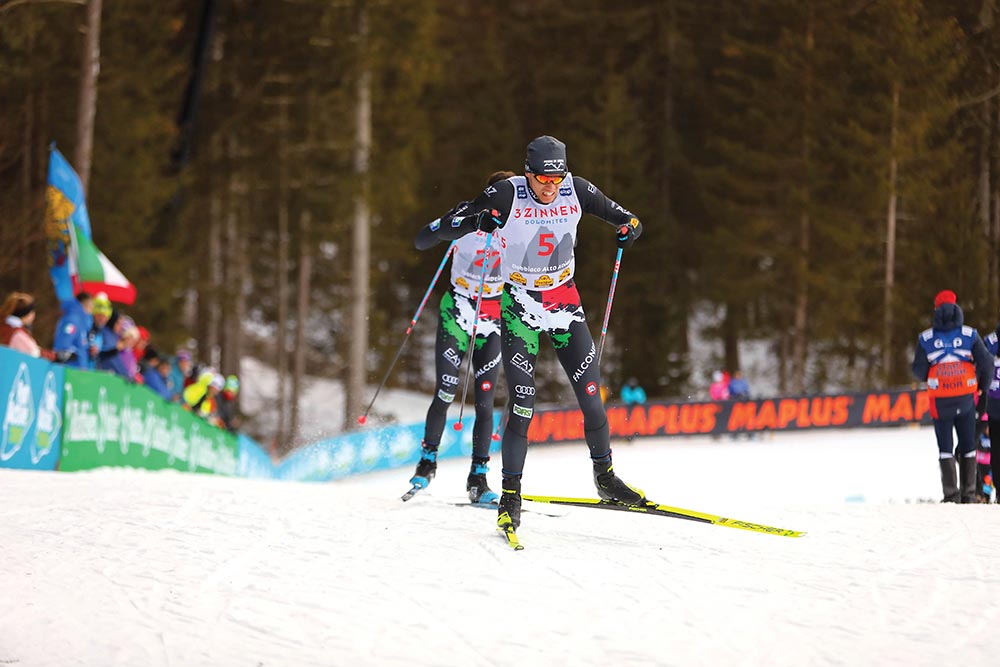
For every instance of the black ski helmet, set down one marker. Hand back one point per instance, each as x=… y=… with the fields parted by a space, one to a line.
x=546 y=155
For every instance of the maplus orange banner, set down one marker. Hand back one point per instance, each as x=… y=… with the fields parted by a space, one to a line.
x=887 y=408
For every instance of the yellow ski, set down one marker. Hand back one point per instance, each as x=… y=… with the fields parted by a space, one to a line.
x=506 y=526
x=665 y=510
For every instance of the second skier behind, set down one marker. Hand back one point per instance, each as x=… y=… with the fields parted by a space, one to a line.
x=457 y=311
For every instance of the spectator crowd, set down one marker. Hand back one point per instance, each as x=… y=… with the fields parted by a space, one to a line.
x=92 y=334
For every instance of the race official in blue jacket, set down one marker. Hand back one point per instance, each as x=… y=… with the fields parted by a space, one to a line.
x=72 y=341
x=954 y=362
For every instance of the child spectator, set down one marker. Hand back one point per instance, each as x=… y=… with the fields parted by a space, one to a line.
x=128 y=338
x=105 y=338
x=17 y=315
x=152 y=375
x=719 y=389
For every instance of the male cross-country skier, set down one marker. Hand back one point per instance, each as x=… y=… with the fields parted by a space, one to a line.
x=955 y=363
x=536 y=218
x=457 y=311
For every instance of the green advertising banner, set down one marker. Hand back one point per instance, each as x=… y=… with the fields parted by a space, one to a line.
x=109 y=422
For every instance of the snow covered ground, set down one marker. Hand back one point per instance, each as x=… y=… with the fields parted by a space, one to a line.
x=122 y=567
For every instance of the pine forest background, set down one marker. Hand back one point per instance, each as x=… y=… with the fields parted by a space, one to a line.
x=811 y=172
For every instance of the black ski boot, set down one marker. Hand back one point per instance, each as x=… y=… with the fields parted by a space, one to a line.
x=510 y=503
x=949 y=480
x=426 y=468
x=611 y=487
x=967 y=469
x=478 y=488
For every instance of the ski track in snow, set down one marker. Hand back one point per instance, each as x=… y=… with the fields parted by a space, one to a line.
x=124 y=567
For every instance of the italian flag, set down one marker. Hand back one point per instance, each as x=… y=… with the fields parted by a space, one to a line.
x=95 y=273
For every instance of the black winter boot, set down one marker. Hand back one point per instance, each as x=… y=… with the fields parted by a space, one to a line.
x=949 y=480
x=967 y=473
x=510 y=502
x=611 y=487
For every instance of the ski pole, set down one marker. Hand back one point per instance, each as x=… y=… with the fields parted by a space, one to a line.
x=413 y=321
x=475 y=325
x=611 y=296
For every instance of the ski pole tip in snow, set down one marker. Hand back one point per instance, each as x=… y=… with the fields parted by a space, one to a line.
x=362 y=419
x=496 y=437
x=458 y=426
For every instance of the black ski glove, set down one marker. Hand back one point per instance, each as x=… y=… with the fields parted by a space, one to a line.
x=628 y=233
x=981 y=406
x=488 y=221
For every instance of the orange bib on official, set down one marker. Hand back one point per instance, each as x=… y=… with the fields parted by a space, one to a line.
x=952 y=378
x=952 y=370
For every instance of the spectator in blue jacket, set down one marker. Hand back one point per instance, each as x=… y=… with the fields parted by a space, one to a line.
x=633 y=393
x=72 y=338
x=152 y=373
x=739 y=388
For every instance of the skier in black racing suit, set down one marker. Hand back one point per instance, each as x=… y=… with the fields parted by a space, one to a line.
x=536 y=218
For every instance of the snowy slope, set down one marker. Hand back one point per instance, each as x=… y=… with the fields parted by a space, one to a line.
x=121 y=567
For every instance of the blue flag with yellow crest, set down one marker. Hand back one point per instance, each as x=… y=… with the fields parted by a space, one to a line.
x=75 y=263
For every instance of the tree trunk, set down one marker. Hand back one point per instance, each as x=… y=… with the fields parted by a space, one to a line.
x=213 y=294
x=731 y=338
x=204 y=271
x=890 y=241
x=232 y=277
x=22 y=253
x=993 y=272
x=358 y=346
x=302 y=319
x=800 y=343
x=282 y=287
x=90 y=66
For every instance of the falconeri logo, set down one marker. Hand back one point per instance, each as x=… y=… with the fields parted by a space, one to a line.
x=490 y=365
x=587 y=361
x=20 y=414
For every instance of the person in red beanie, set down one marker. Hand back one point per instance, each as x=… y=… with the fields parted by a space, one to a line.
x=954 y=362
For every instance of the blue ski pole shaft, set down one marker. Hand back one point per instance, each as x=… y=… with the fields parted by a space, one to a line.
x=413 y=321
x=607 y=311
